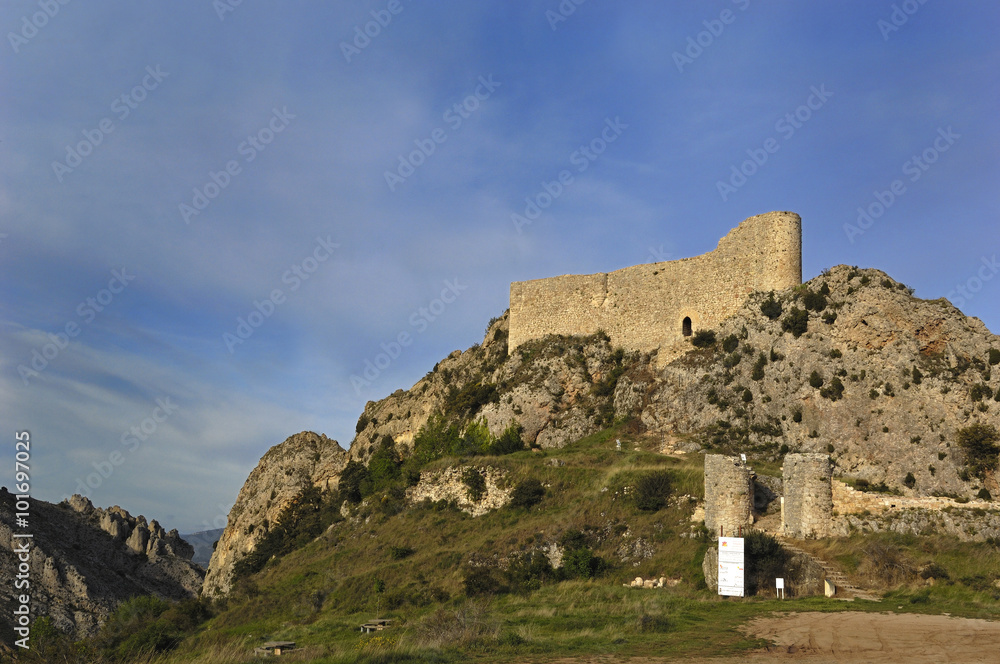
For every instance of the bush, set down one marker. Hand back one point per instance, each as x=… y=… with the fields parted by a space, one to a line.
x=771 y=307
x=765 y=560
x=815 y=380
x=834 y=391
x=909 y=481
x=758 y=367
x=400 y=552
x=362 y=423
x=979 y=442
x=730 y=343
x=994 y=356
x=527 y=493
x=814 y=301
x=703 y=339
x=475 y=483
x=581 y=563
x=796 y=322
x=468 y=400
x=984 y=494
x=354 y=475
x=797 y=415
x=510 y=440
x=885 y=565
x=652 y=490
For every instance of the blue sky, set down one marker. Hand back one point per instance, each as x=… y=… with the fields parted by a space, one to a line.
x=276 y=124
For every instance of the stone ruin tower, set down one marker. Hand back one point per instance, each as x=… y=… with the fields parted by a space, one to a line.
x=807 y=508
x=728 y=495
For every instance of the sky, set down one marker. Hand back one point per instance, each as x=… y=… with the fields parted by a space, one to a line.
x=223 y=223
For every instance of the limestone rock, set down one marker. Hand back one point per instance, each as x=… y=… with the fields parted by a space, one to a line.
x=303 y=460
x=83 y=563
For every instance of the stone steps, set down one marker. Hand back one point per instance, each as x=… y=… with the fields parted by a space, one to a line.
x=833 y=573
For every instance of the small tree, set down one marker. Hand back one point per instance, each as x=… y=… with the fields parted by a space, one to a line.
x=652 y=490
x=979 y=442
x=527 y=493
x=796 y=322
x=703 y=339
x=771 y=307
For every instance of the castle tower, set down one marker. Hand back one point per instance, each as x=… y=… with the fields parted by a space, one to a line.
x=807 y=508
x=728 y=495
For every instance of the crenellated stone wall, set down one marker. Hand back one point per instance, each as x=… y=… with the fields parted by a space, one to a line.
x=728 y=495
x=655 y=306
x=807 y=508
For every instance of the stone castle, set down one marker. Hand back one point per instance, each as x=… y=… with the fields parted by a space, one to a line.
x=655 y=306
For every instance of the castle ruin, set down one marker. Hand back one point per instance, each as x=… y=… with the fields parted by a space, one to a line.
x=656 y=306
x=729 y=490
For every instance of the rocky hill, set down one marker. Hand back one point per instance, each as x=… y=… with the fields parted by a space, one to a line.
x=303 y=460
x=849 y=363
x=84 y=560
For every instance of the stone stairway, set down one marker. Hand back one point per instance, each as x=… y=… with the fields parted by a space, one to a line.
x=835 y=576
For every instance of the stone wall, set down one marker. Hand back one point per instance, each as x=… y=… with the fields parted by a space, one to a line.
x=644 y=307
x=729 y=491
x=807 y=509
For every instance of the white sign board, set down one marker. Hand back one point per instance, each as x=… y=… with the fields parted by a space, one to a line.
x=731 y=566
x=779 y=584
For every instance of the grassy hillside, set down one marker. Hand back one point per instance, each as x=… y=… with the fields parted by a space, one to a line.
x=459 y=588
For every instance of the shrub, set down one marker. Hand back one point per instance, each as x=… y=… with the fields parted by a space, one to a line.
x=468 y=400
x=475 y=483
x=994 y=356
x=814 y=301
x=527 y=493
x=730 y=343
x=815 y=380
x=652 y=490
x=354 y=475
x=980 y=391
x=984 y=494
x=581 y=563
x=796 y=322
x=400 y=552
x=797 y=415
x=730 y=361
x=834 y=391
x=510 y=440
x=824 y=289
x=885 y=564
x=362 y=423
x=703 y=339
x=836 y=353
x=979 y=442
x=771 y=307
x=484 y=581
x=765 y=560
x=758 y=367
x=909 y=481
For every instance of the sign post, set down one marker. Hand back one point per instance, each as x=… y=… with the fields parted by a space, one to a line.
x=731 y=567
x=780 y=586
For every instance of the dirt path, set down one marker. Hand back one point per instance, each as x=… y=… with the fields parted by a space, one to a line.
x=817 y=638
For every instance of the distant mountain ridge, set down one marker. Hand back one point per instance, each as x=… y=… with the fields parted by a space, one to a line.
x=203 y=543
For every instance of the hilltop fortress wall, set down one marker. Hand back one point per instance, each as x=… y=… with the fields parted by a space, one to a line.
x=655 y=306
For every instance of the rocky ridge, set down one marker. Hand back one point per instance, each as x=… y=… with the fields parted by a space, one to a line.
x=84 y=560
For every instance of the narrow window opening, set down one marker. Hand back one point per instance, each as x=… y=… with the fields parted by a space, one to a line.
x=686 y=326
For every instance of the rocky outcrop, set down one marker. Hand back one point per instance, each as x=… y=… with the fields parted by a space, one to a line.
x=303 y=460
x=448 y=485
x=85 y=560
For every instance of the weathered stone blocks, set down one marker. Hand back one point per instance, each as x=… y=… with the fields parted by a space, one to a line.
x=729 y=493
x=657 y=305
x=808 y=506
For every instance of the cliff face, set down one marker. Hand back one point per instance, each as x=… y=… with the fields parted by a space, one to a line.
x=85 y=560
x=896 y=378
x=303 y=460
